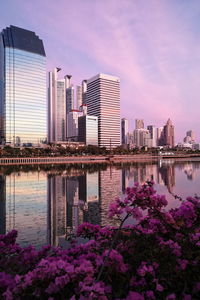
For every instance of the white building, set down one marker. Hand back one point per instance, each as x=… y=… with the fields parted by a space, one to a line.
x=103 y=100
x=56 y=107
x=124 y=131
x=142 y=138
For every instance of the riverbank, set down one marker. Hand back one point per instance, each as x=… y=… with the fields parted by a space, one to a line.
x=90 y=159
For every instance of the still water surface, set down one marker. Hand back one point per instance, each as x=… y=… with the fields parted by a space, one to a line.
x=44 y=204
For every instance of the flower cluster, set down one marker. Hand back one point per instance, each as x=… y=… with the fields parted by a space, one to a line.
x=157 y=258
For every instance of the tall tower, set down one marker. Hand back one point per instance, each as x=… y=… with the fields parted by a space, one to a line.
x=69 y=94
x=103 y=100
x=79 y=96
x=124 y=131
x=84 y=91
x=139 y=124
x=169 y=134
x=23 y=108
x=56 y=107
x=153 y=134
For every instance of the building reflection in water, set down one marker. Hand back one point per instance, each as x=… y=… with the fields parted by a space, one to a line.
x=23 y=206
x=46 y=206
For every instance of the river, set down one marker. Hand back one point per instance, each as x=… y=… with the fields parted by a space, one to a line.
x=47 y=203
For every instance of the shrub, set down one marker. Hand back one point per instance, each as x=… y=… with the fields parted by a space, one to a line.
x=157 y=258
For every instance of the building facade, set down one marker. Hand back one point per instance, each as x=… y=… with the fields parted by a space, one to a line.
x=139 y=124
x=56 y=108
x=88 y=130
x=190 y=137
x=169 y=134
x=142 y=138
x=103 y=101
x=72 y=124
x=153 y=135
x=23 y=109
x=124 y=131
x=79 y=96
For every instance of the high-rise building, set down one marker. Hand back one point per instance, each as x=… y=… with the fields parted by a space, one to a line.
x=142 y=138
x=69 y=94
x=88 y=130
x=160 y=136
x=124 y=131
x=169 y=134
x=153 y=134
x=84 y=91
x=72 y=124
x=78 y=96
x=103 y=100
x=56 y=107
x=190 y=137
x=139 y=124
x=23 y=109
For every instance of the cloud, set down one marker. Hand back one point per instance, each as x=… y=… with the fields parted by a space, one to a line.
x=153 y=46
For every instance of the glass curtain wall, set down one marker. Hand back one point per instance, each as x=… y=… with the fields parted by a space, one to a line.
x=25 y=97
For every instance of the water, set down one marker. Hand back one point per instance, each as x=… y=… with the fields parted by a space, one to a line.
x=47 y=203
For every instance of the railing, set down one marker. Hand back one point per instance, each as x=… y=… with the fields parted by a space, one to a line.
x=46 y=160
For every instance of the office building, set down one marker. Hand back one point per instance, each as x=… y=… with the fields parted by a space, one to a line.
x=56 y=107
x=78 y=96
x=69 y=94
x=103 y=101
x=190 y=137
x=153 y=135
x=84 y=91
x=169 y=134
x=72 y=124
x=124 y=131
x=88 y=130
x=139 y=124
x=142 y=138
x=23 y=109
x=160 y=136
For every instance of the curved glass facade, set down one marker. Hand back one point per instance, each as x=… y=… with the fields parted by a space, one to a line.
x=24 y=107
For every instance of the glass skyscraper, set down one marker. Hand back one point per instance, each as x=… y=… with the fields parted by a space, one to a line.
x=23 y=108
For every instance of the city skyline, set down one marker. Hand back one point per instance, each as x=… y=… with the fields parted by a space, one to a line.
x=156 y=70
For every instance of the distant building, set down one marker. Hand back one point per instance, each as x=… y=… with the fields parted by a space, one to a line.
x=190 y=137
x=69 y=94
x=169 y=134
x=56 y=107
x=153 y=135
x=142 y=138
x=72 y=124
x=196 y=146
x=160 y=136
x=88 y=130
x=84 y=91
x=103 y=101
x=124 y=131
x=78 y=96
x=23 y=108
x=139 y=124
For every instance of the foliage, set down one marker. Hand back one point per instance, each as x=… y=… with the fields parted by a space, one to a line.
x=157 y=258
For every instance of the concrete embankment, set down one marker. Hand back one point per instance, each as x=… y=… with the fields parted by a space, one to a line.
x=88 y=159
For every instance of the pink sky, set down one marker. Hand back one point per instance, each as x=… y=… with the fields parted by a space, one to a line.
x=152 y=45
